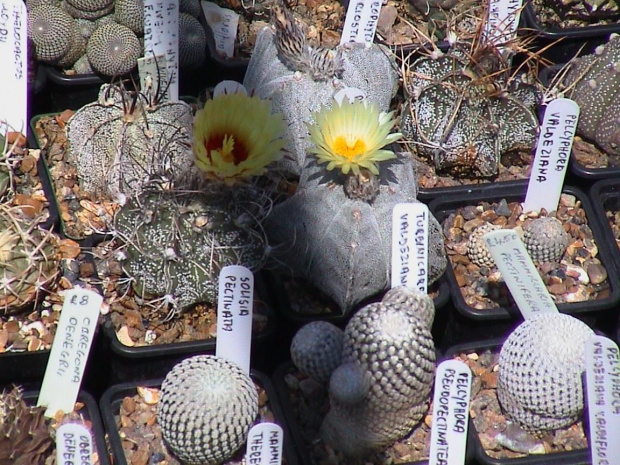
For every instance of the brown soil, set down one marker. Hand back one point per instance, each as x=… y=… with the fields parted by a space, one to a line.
x=579 y=276
x=591 y=157
x=548 y=18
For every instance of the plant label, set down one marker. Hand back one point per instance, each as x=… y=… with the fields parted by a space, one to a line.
x=161 y=37
x=555 y=142
x=223 y=23
x=153 y=72
x=14 y=69
x=410 y=246
x=352 y=94
x=502 y=21
x=603 y=397
x=74 y=444
x=450 y=413
x=360 y=22
x=229 y=87
x=264 y=445
x=519 y=273
x=234 y=315
x=70 y=349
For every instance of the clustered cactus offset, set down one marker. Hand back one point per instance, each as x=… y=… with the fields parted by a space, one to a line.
x=206 y=409
x=540 y=370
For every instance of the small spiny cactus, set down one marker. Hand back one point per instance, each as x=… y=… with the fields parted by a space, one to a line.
x=206 y=409
x=545 y=239
x=113 y=49
x=316 y=350
x=477 y=251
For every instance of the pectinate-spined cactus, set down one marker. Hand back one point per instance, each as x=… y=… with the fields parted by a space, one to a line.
x=119 y=143
x=593 y=81
x=540 y=369
x=177 y=242
x=28 y=259
x=206 y=409
x=458 y=118
x=192 y=41
x=113 y=49
x=316 y=350
x=51 y=30
x=130 y=13
x=545 y=239
x=382 y=388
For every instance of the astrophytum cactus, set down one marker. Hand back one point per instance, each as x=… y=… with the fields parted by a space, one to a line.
x=119 y=143
x=28 y=259
x=300 y=79
x=459 y=120
x=540 y=372
x=593 y=81
x=206 y=409
x=336 y=231
x=382 y=388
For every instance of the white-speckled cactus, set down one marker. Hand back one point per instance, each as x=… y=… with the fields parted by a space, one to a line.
x=206 y=409
x=316 y=350
x=299 y=79
x=382 y=388
x=540 y=372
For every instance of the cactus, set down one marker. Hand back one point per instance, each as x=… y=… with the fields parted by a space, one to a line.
x=316 y=350
x=206 y=408
x=130 y=13
x=593 y=81
x=540 y=369
x=382 y=388
x=192 y=41
x=458 y=118
x=25 y=437
x=52 y=31
x=118 y=144
x=113 y=49
x=28 y=259
x=299 y=79
x=545 y=239
x=589 y=11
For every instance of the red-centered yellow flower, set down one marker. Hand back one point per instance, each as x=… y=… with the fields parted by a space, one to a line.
x=236 y=137
x=351 y=136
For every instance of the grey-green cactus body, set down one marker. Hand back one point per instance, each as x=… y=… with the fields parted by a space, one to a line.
x=342 y=245
x=176 y=243
x=316 y=350
x=461 y=125
x=540 y=372
x=545 y=239
x=116 y=152
x=206 y=409
x=382 y=388
x=593 y=81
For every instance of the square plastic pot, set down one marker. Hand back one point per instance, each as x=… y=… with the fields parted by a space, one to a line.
x=112 y=398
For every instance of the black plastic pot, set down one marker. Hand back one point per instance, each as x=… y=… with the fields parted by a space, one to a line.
x=112 y=398
x=605 y=197
x=72 y=92
x=594 y=309
x=576 y=457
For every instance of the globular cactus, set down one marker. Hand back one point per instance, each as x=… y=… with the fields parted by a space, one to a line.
x=382 y=388
x=192 y=41
x=119 y=143
x=593 y=81
x=316 y=350
x=545 y=239
x=477 y=251
x=130 y=13
x=52 y=31
x=300 y=79
x=206 y=409
x=28 y=259
x=113 y=49
x=540 y=372
x=177 y=241
x=25 y=437
x=458 y=119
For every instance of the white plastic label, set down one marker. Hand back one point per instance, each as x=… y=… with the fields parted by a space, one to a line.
x=153 y=70
x=410 y=246
x=361 y=20
x=229 y=87
x=502 y=21
x=351 y=93
x=14 y=69
x=264 y=445
x=519 y=272
x=234 y=315
x=74 y=445
x=70 y=349
x=603 y=390
x=161 y=37
x=223 y=23
x=450 y=413
x=555 y=142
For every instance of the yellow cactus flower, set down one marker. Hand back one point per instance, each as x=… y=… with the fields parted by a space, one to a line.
x=236 y=137
x=350 y=136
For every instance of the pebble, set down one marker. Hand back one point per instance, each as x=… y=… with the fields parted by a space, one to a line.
x=518 y=440
x=502 y=208
x=597 y=273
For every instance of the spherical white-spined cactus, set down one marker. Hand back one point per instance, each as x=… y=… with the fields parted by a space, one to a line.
x=382 y=388
x=206 y=409
x=113 y=49
x=316 y=350
x=52 y=31
x=192 y=41
x=477 y=251
x=545 y=239
x=130 y=13
x=540 y=369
